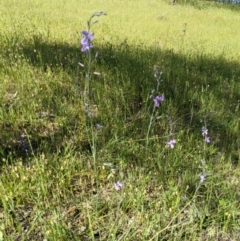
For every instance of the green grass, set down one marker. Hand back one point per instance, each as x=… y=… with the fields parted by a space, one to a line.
x=54 y=186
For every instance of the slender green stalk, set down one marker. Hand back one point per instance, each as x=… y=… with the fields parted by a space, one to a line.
x=88 y=74
x=157 y=75
x=150 y=125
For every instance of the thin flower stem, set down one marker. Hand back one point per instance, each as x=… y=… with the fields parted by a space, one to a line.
x=152 y=116
x=89 y=71
x=86 y=47
x=93 y=146
x=150 y=125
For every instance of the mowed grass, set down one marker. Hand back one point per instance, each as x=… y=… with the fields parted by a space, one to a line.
x=55 y=186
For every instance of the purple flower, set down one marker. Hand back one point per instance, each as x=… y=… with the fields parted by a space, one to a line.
x=204 y=131
x=86 y=41
x=171 y=143
x=118 y=185
x=207 y=139
x=158 y=100
x=202 y=178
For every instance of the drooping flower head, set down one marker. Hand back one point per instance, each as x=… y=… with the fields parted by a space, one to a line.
x=86 y=41
x=171 y=143
x=158 y=100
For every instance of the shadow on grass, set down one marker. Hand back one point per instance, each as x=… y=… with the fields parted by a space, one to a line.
x=210 y=4
x=196 y=88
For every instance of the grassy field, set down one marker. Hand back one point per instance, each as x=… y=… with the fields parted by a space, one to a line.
x=103 y=165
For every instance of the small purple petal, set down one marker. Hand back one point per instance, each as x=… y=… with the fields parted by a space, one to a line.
x=202 y=178
x=86 y=41
x=86 y=47
x=204 y=131
x=118 y=185
x=171 y=143
x=87 y=35
x=207 y=139
x=158 y=100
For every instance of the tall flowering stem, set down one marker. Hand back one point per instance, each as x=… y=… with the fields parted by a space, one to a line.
x=157 y=101
x=86 y=47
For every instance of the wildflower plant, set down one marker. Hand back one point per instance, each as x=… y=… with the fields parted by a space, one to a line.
x=157 y=100
x=90 y=111
x=203 y=166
